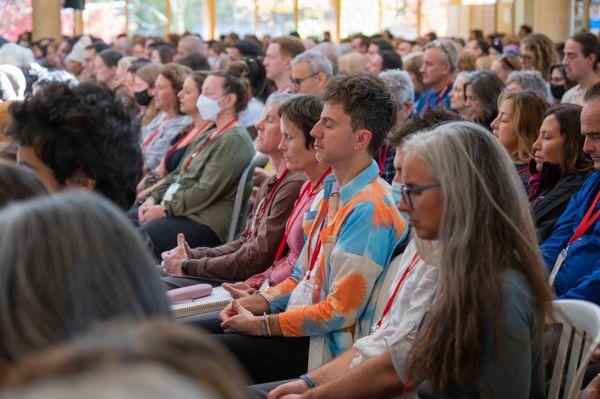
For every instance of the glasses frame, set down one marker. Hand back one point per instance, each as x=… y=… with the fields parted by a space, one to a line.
x=406 y=193
x=298 y=82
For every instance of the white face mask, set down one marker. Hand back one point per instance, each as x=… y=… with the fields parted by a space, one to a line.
x=208 y=108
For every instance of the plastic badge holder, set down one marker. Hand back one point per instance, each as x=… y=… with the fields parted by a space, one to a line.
x=189 y=293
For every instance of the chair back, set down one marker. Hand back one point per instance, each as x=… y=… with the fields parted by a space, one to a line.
x=244 y=188
x=579 y=334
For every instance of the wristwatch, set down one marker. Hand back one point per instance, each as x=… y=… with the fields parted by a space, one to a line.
x=185 y=267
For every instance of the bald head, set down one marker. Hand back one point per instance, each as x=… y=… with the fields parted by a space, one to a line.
x=189 y=44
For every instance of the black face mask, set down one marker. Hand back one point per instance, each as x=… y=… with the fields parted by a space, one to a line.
x=557 y=91
x=142 y=98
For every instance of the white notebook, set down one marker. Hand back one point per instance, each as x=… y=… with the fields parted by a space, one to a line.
x=218 y=300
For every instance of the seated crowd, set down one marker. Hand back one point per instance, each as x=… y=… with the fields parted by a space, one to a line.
x=389 y=217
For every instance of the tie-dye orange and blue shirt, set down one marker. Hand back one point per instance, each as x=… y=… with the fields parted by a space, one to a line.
x=360 y=231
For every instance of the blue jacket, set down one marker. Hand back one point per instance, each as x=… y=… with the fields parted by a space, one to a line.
x=579 y=276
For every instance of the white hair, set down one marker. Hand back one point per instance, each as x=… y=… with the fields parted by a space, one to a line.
x=529 y=81
x=316 y=61
x=400 y=84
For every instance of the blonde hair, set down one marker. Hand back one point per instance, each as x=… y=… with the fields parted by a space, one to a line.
x=353 y=62
x=485 y=230
x=527 y=109
x=544 y=53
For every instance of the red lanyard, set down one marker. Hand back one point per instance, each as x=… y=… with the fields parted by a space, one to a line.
x=437 y=100
x=587 y=221
x=208 y=142
x=320 y=222
x=390 y=301
x=193 y=133
x=149 y=139
x=262 y=208
x=297 y=210
x=382 y=158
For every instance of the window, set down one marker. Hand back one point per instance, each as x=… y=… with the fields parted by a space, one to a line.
x=275 y=17
x=234 y=16
x=357 y=18
x=315 y=17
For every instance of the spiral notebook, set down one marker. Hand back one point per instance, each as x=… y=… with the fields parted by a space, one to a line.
x=218 y=300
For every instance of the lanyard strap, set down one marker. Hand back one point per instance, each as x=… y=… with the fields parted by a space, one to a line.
x=262 y=207
x=388 y=305
x=382 y=158
x=437 y=100
x=588 y=220
x=307 y=193
x=208 y=142
x=193 y=133
x=150 y=138
x=318 y=227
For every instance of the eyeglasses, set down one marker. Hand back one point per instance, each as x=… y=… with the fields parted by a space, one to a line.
x=298 y=82
x=407 y=193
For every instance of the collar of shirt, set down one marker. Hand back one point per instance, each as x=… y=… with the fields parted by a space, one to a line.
x=347 y=192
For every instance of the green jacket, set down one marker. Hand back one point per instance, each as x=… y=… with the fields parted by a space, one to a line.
x=209 y=184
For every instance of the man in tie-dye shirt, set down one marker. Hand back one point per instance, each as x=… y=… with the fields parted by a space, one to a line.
x=352 y=230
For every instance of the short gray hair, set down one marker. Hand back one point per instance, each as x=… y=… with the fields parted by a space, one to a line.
x=448 y=48
x=529 y=81
x=278 y=98
x=400 y=84
x=316 y=60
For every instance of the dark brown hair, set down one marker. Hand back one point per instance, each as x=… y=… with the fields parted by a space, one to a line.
x=235 y=82
x=574 y=160
x=366 y=98
x=417 y=123
x=304 y=112
x=18 y=183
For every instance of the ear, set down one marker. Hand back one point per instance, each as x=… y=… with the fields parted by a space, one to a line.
x=321 y=79
x=288 y=63
x=80 y=180
x=409 y=106
x=229 y=100
x=363 y=138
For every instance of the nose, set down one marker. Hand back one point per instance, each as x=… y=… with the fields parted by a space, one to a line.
x=316 y=131
x=404 y=206
x=588 y=147
x=281 y=146
x=537 y=145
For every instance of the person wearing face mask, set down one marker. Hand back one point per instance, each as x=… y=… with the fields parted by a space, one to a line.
x=559 y=82
x=559 y=166
x=157 y=135
x=188 y=96
x=196 y=199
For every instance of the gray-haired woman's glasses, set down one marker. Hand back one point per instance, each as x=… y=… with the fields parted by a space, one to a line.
x=407 y=193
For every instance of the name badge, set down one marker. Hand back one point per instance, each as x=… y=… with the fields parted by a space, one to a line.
x=171 y=191
x=558 y=264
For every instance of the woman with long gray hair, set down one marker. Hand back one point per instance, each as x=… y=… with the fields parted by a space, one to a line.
x=468 y=209
x=69 y=261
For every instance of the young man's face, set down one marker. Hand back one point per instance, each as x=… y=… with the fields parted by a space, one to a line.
x=334 y=136
x=276 y=64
